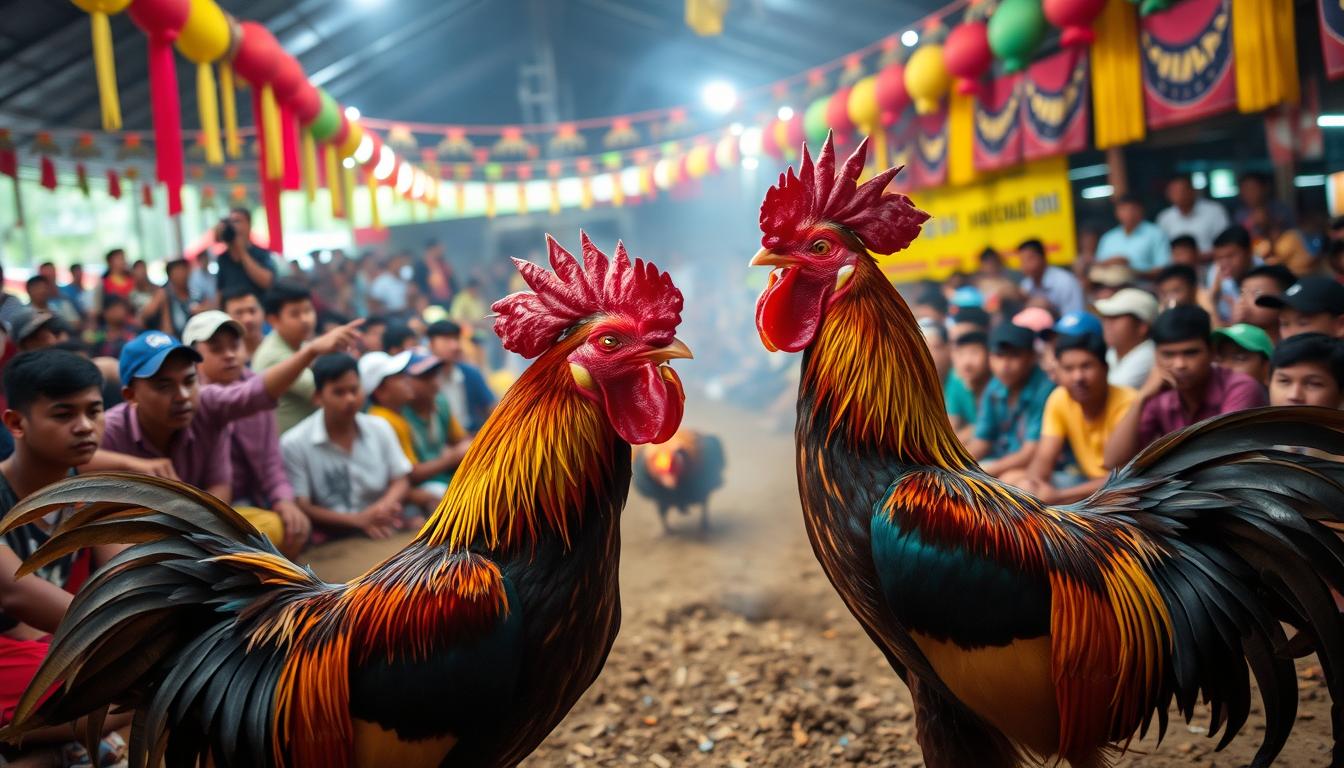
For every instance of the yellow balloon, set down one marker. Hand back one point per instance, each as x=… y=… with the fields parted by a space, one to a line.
x=781 y=136
x=862 y=105
x=352 y=139
x=206 y=35
x=697 y=162
x=101 y=6
x=927 y=79
x=725 y=153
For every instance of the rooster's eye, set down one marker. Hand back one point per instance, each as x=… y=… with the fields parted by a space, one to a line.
x=821 y=247
x=608 y=342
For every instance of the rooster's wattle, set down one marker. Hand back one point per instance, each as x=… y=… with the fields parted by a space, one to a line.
x=464 y=649
x=1023 y=630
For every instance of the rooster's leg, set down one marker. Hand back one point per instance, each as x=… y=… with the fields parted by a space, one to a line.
x=662 y=518
x=951 y=736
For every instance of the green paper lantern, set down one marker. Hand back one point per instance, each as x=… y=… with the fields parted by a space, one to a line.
x=815 y=125
x=1016 y=30
x=494 y=171
x=611 y=160
x=328 y=120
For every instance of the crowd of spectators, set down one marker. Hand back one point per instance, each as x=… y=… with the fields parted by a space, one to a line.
x=1054 y=377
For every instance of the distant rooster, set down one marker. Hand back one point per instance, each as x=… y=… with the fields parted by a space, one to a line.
x=680 y=473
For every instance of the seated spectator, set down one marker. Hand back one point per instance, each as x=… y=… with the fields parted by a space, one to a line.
x=1035 y=319
x=1009 y=423
x=1055 y=285
x=1245 y=348
x=399 y=337
x=1080 y=414
x=116 y=328
x=1125 y=320
x=171 y=306
x=259 y=479
x=440 y=442
x=166 y=414
x=1072 y=324
x=347 y=468
x=1314 y=304
x=1191 y=215
x=1184 y=388
x=1232 y=259
x=1185 y=251
x=371 y=337
x=55 y=414
x=1175 y=286
x=992 y=267
x=37 y=329
x=967 y=382
x=1141 y=244
x=930 y=303
x=463 y=384
x=241 y=304
x=935 y=338
x=969 y=320
x=75 y=292
x=967 y=297
x=1105 y=279
x=289 y=310
x=1308 y=369
x=1264 y=280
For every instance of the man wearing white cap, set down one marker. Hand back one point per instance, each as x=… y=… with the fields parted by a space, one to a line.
x=1125 y=320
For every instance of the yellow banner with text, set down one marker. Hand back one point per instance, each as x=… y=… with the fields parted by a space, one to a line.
x=998 y=211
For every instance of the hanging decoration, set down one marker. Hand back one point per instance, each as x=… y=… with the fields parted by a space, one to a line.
x=290 y=85
x=927 y=79
x=257 y=61
x=567 y=140
x=837 y=116
x=864 y=113
x=9 y=156
x=814 y=121
x=455 y=144
x=400 y=139
x=1016 y=30
x=161 y=21
x=206 y=38
x=511 y=144
x=998 y=134
x=113 y=184
x=853 y=71
x=1331 y=15
x=1189 y=70
x=45 y=146
x=892 y=97
x=1266 y=51
x=929 y=166
x=104 y=65
x=1117 y=77
x=967 y=55
x=1075 y=18
x=1054 y=106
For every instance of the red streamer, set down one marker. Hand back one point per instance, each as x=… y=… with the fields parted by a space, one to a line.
x=147 y=195
x=169 y=163
x=270 y=188
x=113 y=184
x=289 y=136
x=48 y=173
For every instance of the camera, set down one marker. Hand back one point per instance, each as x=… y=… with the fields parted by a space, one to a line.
x=226 y=231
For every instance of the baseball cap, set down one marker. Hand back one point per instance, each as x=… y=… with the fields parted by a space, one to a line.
x=1009 y=336
x=1248 y=337
x=376 y=366
x=422 y=363
x=1128 y=301
x=968 y=296
x=1311 y=295
x=29 y=321
x=1036 y=318
x=204 y=326
x=1111 y=275
x=1075 y=324
x=144 y=355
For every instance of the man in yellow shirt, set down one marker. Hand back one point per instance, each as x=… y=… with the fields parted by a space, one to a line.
x=1081 y=413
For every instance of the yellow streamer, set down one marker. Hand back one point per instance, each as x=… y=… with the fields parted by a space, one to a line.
x=348 y=183
x=308 y=164
x=208 y=109
x=960 y=138
x=878 y=134
x=555 y=198
x=617 y=194
x=377 y=221
x=229 y=104
x=1117 y=80
x=275 y=148
x=459 y=198
x=1266 y=53
x=105 y=68
x=585 y=193
x=333 y=181
x=489 y=200
x=522 y=197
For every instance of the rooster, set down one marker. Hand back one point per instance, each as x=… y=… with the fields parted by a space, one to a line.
x=680 y=474
x=1025 y=632
x=464 y=649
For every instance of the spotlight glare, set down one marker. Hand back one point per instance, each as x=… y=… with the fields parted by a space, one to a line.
x=719 y=97
x=365 y=150
x=387 y=163
x=348 y=162
x=735 y=129
x=910 y=38
x=750 y=163
x=785 y=113
x=352 y=113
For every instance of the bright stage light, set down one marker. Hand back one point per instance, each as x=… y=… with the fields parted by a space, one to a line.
x=387 y=163
x=365 y=150
x=910 y=38
x=785 y=113
x=1098 y=192
x=348 y=162
x=719 y=96
x=352 y=113
x=735 y=129
x=750 y=163
x=1330 y=121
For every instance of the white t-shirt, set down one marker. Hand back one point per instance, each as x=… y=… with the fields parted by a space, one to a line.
x=390 y=291
x=1206 y=221
x=1131 y=370
x=326 y=475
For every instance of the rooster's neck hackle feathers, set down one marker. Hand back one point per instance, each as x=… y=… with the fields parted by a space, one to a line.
x=817 y=194
x=871 y=380
x=530 y=322
x=510 y=491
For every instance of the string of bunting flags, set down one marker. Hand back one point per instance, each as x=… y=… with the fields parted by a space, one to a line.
x=990 y=85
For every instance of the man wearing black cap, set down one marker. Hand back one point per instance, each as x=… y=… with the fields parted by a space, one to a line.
x=1009 y=423
x=35 y=329
x=1315 y=304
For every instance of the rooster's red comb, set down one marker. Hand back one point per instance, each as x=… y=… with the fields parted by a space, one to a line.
x=884 y=223
x=530 y=322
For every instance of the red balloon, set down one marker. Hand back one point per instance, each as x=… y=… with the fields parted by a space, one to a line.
x=160 y=19
x=1075 y=17
x=892 y=98
x=258 y=54
x=967 y=54
x=341 y=133
x=288 y=79
x=307 y=103
x=837 y=115
x=768 y=144
x=796 y=134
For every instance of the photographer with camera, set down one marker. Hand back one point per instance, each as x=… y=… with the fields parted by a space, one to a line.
x=242 y=263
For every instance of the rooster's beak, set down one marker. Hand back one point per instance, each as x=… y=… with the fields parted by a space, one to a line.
x=677 y=350
x=767 y=258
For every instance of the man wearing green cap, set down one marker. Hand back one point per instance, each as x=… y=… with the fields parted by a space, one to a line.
x=1246 y=348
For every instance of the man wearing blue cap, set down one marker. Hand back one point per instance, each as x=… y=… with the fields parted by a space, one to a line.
x=167 y=414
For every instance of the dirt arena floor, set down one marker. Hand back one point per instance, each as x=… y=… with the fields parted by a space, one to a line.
x=735 y=652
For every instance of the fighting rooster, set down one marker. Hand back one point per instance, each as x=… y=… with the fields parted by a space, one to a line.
x=464 y=649
x=680 y=474
x=1027 y=632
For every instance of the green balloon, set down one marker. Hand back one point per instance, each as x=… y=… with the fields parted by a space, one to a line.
x=815 y=126
x=1016 y=30
x=328 y=120
x=494 y=171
